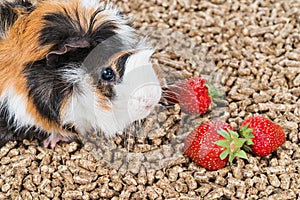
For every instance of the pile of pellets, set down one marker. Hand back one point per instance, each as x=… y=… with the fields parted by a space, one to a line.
x=249 y=49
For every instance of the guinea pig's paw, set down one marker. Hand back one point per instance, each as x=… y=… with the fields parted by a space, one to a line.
x=53 y=139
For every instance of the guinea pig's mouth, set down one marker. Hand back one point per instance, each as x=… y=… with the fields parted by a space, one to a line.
x=143 y=100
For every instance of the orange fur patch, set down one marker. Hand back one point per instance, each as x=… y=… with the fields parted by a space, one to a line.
x=102 y=100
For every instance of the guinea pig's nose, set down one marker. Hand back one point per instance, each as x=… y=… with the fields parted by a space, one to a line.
x=143 y=101
x=149 y=106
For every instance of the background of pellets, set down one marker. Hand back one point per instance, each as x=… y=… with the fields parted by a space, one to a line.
x=250 y=48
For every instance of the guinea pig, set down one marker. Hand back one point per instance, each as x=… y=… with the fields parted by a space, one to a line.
x=69 y=67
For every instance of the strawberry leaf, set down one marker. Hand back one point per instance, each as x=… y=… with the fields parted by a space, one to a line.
x=224 y=134
x=213 y=92
x=231 y=158
x=241 y=154
x=223 y=143
x=233 y=134
x=224 y=154
x=239 y=142
x=249 y=142
x=247 y=148
x=247 y=134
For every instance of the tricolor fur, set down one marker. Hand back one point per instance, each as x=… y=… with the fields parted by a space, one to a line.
x=64 y=68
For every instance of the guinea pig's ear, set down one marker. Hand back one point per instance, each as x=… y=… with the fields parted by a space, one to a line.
x=69 y=46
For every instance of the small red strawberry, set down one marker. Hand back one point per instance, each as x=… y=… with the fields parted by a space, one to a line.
x=194 y=95
x=211 y=145
x=263 y=136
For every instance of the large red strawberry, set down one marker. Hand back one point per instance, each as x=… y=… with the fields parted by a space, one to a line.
x=264 y=135
x=211 y=145
x=194 y=95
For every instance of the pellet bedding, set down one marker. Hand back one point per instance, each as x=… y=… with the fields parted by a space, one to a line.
x=249 y=49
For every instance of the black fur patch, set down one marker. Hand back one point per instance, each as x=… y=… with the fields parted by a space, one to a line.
x=8 y=130
x=8 y=13
x=121 y=64
x=59 y=28
x=77 y=55
x=107 y=89
x=105 y=31
x=46 y=88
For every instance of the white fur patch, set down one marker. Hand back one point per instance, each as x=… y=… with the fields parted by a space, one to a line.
x=90 y=4
x=138 y=60
x=17 y=108
x=125 y=31
x=140 y=89
x=84 y=110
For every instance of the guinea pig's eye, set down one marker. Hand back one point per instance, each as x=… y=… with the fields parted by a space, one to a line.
x=108 y=75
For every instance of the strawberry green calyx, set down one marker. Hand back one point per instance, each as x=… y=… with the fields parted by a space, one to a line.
x=232 y=144
x=213 y=92
x=246 y=133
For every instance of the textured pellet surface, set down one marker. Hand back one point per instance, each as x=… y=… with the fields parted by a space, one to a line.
x=250 y=49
